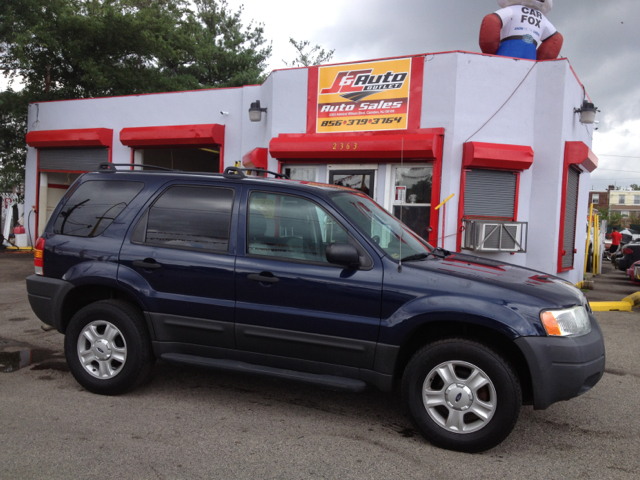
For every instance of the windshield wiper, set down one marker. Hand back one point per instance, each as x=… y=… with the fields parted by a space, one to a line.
x=443 y=253
x=417 y=256
x=437 y=252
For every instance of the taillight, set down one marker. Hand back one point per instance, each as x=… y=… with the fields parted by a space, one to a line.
x=627 y=251
x=39 y=256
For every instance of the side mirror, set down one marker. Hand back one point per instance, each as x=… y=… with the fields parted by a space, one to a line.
x=343 y=254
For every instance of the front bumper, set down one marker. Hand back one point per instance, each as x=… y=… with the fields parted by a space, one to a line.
x=563 y=367
x=46 y=296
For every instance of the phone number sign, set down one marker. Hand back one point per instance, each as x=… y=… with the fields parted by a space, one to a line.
x=364 y=96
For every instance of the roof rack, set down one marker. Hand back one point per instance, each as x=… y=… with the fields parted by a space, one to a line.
x=111 y=167
x=239 y=172
x=229 y=172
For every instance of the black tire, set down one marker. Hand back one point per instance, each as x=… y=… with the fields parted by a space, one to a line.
x=500 y=399
x=121 y=334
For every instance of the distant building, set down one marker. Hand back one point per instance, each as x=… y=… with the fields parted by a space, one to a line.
x=599 y=198
x=626 y=202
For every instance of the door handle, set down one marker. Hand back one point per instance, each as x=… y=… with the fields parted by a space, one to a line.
x=262 y=278
x=147 y=265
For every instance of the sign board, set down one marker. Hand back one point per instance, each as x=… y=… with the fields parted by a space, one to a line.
x=401 y=194
x=364 y=97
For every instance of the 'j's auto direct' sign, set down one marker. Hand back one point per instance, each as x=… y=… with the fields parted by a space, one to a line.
x=364 y=96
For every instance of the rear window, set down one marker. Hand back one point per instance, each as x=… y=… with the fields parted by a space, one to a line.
x=94 y=206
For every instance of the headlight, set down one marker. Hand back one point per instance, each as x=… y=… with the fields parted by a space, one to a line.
x=571 y=321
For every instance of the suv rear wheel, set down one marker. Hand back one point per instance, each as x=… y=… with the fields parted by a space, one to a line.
x=461 y=395
x=108 y=348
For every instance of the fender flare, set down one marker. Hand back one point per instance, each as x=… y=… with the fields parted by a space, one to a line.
x=503 y=318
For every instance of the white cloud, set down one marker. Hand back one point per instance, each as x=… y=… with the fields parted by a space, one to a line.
x=618 y=153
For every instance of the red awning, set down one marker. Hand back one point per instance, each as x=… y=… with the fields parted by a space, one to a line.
x=497 y=156
x=356 y=146
x=578 y=153
x=85 y=137
x=256 y=158
x=173 y=136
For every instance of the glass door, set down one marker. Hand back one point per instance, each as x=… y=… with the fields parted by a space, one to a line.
x=363 y=180
x=411 y=199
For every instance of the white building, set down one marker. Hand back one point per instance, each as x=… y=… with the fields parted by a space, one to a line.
x=500 y=134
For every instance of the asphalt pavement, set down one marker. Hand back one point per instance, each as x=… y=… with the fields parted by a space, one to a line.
x=192 y=423
x=612 y=285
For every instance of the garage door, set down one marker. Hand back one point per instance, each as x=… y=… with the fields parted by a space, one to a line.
x=72 y=159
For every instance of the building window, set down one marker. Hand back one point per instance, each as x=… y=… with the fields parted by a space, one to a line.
x=624 y=213
x=302 y=172
x=621 y=199
x=412 y=197
x=636 y=199
x=185 y=159
x=595 y=198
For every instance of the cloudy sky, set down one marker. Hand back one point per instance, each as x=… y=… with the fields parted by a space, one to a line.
x=602 y=42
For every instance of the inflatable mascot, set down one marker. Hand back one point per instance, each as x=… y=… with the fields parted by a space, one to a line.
x=519 y=28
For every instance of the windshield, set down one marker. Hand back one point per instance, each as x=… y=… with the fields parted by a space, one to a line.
x=394 y=237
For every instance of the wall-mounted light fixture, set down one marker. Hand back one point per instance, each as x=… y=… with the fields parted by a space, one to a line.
x=255 y=112
x=587 y=111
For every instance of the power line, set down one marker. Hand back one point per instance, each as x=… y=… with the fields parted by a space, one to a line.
x=616 y=170
x=614 y=179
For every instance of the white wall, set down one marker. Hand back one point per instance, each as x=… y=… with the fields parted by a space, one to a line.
x=473 y=97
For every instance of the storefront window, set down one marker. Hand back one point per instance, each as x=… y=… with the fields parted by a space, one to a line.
x=412 y=197
x=306 y=174
x=363 y=180
x=376 y=223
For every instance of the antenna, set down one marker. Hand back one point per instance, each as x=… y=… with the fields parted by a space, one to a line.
x=401 y=205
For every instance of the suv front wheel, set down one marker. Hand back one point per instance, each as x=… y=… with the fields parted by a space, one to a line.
x=108 y=348
x=461 y=395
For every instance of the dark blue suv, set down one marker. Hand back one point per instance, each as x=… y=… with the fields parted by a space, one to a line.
x=307 y=282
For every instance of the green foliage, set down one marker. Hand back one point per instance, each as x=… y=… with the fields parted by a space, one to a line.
x=224 y=54
x=66 y=49
x=635 y=187
x=612 y=217
x=308 y=56
x=13 y=129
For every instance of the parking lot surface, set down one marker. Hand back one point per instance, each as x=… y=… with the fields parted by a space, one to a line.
x=191 y=423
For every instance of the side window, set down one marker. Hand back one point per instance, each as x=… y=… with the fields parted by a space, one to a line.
x=196 y=218
x=93 y=206
x=291 y=228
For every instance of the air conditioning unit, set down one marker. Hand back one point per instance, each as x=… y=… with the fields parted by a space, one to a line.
x=493 y=236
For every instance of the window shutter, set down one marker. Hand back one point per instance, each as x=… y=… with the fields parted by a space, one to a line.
x=570 y=214
x=73 y=159
x=489 y=193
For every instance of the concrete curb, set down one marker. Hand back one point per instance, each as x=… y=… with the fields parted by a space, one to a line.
x=625 y=305
x=611 y=306
x=633 y=299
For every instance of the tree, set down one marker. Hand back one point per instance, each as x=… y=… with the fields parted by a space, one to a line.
x=13 y=129
x=635 y=187
x=612 y=217
x=67 y=49
x=308 y=57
